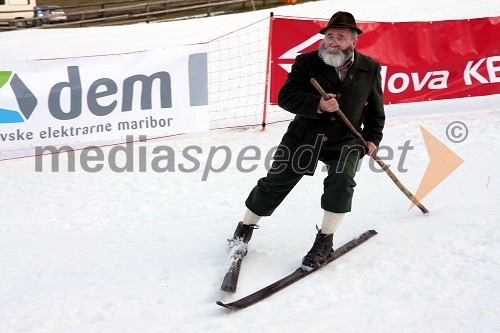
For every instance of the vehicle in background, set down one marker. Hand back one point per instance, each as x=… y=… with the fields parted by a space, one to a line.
x=51 y=14
x=17 y=9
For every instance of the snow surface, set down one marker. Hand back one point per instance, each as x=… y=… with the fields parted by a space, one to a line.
x=146 y=251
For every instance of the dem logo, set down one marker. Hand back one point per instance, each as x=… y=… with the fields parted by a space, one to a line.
x=26 y=101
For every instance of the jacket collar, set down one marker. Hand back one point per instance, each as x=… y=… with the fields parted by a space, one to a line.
x=356 y=69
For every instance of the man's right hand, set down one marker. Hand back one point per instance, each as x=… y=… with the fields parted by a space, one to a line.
x=329 y=105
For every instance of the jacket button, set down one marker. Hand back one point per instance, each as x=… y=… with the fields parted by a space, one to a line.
x=325 y=138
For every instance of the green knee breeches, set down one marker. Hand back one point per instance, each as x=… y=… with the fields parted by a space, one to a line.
x=338 y=187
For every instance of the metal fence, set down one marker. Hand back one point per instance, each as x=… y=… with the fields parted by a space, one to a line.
x=132 y=11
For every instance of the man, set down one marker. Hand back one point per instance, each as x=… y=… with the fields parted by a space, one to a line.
x=353 y=81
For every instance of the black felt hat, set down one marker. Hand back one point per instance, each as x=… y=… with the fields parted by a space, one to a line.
x=342 y=20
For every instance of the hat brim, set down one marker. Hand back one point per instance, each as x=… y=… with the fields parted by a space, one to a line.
x=359 y=31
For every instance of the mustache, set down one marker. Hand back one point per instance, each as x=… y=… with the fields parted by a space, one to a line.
x=332 y=48
x=337 y=49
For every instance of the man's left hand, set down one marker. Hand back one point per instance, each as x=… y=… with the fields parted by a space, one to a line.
x=372 y=148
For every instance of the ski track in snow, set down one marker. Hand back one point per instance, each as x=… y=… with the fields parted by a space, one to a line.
x=146 y=252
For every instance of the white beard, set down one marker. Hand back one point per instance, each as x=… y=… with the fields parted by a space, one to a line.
x=337 y=59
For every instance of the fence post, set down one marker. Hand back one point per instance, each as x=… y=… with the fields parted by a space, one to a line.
x=268 y=71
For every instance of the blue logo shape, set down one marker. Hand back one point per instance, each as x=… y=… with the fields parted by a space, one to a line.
x=9 y=116
x=25 y=99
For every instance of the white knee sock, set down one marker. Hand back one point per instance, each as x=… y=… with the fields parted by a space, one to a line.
x=331 y=222
x=250 y=217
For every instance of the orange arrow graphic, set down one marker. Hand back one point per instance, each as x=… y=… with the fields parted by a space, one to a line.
x=442 y=163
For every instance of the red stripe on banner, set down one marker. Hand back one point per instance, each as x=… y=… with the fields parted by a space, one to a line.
x=420 y=60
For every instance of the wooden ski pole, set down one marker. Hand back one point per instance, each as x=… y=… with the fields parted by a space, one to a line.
x=377 y=159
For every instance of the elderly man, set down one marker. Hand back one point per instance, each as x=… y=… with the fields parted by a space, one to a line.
x=353 y=81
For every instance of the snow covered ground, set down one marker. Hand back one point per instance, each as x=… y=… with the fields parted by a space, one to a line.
x=146 y=251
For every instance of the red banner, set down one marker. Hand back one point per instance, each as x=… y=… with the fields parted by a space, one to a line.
x=420 y=61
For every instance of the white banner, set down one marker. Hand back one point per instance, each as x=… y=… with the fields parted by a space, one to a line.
x=103 y=98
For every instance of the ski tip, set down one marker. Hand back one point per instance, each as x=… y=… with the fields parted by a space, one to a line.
x=224 y=305
x=368 y=234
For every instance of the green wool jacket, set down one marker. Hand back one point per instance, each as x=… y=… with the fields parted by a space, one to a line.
x=361 y=100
